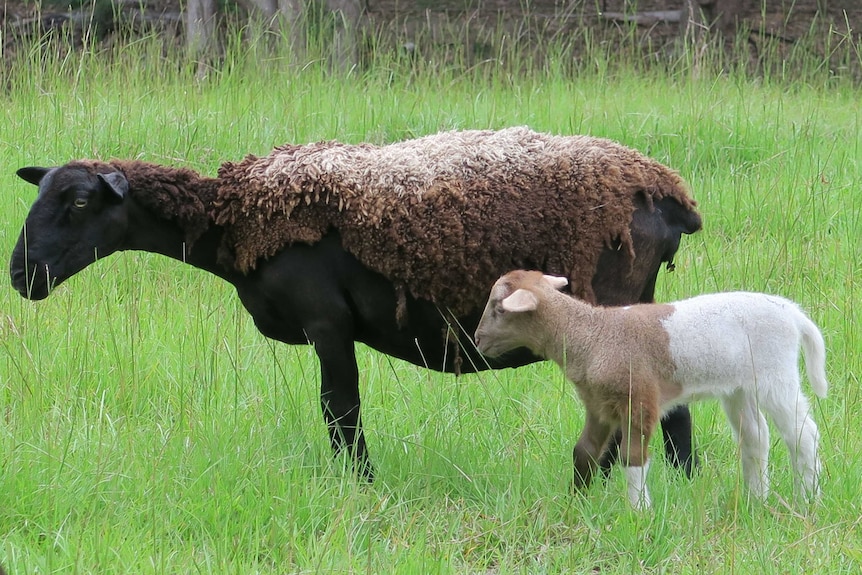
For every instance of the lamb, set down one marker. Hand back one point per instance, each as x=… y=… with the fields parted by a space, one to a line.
x=630 y=364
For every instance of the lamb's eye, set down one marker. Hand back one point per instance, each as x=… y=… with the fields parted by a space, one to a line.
x=80 y=203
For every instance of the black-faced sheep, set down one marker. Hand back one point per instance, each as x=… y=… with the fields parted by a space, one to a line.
x=393 y=246
x=629 y=364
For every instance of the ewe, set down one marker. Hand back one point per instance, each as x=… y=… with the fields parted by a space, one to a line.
x=393 y=246
x=631 y=364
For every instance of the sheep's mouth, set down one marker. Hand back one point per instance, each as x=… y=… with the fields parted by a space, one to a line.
x=36 y=285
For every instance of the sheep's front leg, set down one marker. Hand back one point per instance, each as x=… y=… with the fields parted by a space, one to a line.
x=589 y=448
x=339 y=400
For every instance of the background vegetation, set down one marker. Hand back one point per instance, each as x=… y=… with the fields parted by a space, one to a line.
x=148 y=428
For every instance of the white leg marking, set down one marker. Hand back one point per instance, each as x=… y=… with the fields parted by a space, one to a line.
x=637 y=489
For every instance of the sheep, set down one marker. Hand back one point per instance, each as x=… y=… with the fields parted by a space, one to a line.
x=629 y=364
x=392 y=246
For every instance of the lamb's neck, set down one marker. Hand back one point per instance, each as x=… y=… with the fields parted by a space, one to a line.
x=571 y=326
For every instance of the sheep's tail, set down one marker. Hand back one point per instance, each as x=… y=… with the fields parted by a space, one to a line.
x=815 y=355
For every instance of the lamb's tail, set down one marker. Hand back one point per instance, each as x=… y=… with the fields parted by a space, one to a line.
x=815 y=355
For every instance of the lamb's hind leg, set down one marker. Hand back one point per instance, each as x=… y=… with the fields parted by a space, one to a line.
x=752 y=437
x=792 y=415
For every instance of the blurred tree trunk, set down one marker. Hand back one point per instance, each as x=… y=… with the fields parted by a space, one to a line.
x=201 y=32
x=700 y=16
x=292 y=18
x=347 y=17
x=727 y=15
x=693 y=20
x=285 y=18
x=267 y=8
x=293 y=24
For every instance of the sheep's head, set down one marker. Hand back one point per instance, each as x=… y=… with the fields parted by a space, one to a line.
x=77 y=218
x=507 y=322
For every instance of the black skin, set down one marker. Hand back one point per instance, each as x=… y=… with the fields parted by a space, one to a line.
x=318 y=294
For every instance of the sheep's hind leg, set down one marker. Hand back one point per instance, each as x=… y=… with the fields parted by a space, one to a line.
x=752 y=436
x=676 y=434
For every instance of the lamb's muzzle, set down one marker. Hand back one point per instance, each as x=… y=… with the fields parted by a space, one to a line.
x=519 y=300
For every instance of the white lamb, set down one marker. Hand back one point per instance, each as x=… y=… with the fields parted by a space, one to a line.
x=631 y=364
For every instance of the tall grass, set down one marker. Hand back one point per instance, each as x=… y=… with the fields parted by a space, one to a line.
x=148 y=428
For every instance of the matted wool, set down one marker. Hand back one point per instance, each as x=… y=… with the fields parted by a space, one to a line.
x=443 y=216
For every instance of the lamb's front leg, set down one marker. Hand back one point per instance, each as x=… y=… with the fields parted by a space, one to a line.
x=589 y=448
x=678 y=447
x=639 y=420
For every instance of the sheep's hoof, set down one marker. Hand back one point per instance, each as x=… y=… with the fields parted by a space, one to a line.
x=364 y=470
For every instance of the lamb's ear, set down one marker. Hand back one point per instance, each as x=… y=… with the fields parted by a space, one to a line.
x=557 y=282
x=117 y=183
x=520 y=300
x=32 y=174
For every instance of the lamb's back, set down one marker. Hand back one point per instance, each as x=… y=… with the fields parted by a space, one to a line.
x=716 y=338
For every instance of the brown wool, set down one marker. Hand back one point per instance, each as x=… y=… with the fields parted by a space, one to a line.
x=177 y=194
x=444 y=215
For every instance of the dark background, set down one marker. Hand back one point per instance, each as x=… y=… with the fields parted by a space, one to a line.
x=824 y=30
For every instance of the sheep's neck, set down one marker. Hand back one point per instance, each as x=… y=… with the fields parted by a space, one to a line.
x=169 y=215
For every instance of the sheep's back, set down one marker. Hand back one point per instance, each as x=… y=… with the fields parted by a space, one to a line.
x=444 y=215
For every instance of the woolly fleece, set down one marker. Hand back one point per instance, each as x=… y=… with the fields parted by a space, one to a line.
x=444 y=215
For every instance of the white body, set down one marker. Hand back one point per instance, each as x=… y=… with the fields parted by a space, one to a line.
x=725 y=341
x=743 y=348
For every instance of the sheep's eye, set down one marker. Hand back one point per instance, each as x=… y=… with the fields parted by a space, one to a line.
x=80 y=203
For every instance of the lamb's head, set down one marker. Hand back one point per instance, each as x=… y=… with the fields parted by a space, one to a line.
x=77 y=218
x=508 y=321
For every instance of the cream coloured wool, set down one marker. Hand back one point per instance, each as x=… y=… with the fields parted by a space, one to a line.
x=632 y=364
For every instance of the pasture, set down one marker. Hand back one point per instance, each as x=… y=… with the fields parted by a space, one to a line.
x=147 y=427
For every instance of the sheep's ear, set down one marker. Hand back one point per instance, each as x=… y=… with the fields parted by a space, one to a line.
x=520 y=300
x=557 y=282
x=32 y=174
x=117 y=183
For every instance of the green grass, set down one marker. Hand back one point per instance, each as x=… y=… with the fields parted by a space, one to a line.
x=148 y=428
